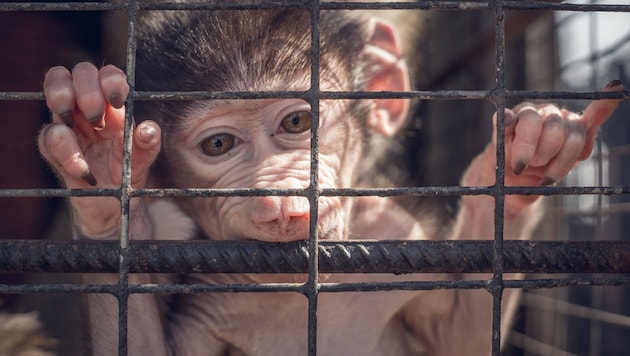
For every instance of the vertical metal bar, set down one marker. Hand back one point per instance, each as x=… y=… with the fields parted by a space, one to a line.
x=499 y=191
x=312 y=286
x=123 y=283
x=595 y=326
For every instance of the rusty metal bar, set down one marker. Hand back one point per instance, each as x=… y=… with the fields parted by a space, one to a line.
x=414 y=94
x=334 y=257
x=243 y=5
x=407 y=285
x=346 y=192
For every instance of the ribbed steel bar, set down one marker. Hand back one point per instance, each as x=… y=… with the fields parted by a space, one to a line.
x=334 y=257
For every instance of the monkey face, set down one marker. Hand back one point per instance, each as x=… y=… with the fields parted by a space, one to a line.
x=262 y=144
x=266 y=144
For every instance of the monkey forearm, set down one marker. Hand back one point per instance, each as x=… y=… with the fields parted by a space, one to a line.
x=145 y=330
x=145 y=333
x=108 y=228
x=475 y=219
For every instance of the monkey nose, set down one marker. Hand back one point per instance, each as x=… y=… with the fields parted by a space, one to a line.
x=287 y=212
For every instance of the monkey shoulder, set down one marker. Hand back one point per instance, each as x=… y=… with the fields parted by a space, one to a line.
x=376 y=218
x=170 y=222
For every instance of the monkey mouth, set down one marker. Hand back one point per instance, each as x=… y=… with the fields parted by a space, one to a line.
x=332 y=228
x=335 y=233
x=331 y=224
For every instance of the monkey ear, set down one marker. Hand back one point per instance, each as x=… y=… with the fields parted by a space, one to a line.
x=384 y=54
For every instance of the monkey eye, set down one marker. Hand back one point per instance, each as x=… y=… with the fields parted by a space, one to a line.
x=297 y=122
x=218 y=144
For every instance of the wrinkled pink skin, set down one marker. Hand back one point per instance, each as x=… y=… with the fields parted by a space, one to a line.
x=84 y=145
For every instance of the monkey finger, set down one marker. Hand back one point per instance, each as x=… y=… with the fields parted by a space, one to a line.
x=527 y=133
x=525 y=104
x=568 y=155
x=89 y=97
x=58 y=144
x=596 y=113
x=554 y=132
x=146 y=146
x=114 y=85
x=59 y=94
x=509 y=120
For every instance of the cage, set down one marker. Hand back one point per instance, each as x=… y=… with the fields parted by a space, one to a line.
x=477 y=57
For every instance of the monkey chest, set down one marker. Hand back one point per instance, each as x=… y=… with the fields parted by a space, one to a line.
x=277 y=323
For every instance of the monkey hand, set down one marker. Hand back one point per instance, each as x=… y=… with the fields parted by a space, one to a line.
x=84 y=143
x=542 y=144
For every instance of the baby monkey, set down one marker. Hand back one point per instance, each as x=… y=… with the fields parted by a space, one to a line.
x=266 y=144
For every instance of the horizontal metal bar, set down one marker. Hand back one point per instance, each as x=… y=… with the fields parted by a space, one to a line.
x=58 y=193
x=334 y=256
x=244 y=5
x=61 y=6
x=413 y=94
x=66 y=288
x=348 y=192
x=472 y=5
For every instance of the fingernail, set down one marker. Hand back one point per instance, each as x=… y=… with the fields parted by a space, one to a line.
x=116 y=100
x=67 y=118
x=96 y=119
x=614 y=83
x=147 y=133
x=519 y=168
x=100 y=126
x=89 y=178
x=547 y=181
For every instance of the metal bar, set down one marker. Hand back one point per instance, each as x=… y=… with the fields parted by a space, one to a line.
x=358 y=192
x=409 y=285
x=312 y=286
x=413 y=94
x=125 y=187
x=499 y=189
x=334 y=256
x=235 y=5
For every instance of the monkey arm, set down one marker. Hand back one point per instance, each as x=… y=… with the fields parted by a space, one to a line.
x=145 y=333
x=542 y=144
x=475 y=219
x=83 y=144
x=145 y=330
